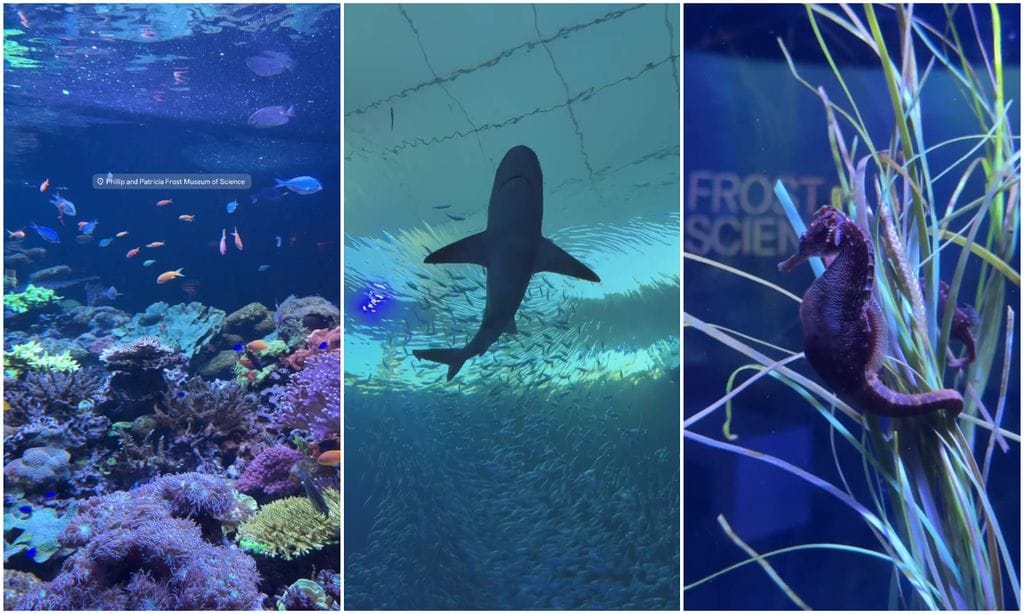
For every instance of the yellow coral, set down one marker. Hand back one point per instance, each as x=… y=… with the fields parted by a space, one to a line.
x=291 y=527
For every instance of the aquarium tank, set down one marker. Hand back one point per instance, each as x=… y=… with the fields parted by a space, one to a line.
x=851 y=230
x=511 y=307
x=171 y=338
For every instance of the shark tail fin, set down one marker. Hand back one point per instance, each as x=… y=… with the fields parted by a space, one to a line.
x=453 y=357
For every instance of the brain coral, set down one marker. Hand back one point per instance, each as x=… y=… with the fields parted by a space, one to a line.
x=288 y=528
x=38 y=468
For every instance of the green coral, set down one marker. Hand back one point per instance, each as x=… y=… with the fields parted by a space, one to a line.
x=242 y=374
x=291 y=527
x=31 y=357
x=33 y=296
x=274 y=349
x=321 y=600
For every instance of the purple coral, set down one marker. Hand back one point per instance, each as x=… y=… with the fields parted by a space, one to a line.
x=270 y=472
x=38 y=468
x=312 y=397
x=133 y=554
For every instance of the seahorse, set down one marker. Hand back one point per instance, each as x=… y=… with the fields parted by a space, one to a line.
x=844 y=331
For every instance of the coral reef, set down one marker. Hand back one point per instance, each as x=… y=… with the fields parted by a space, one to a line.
x=323 y=593
x=33 y=296
x=291 y=527
x=318 y=341
x=184 y=327
x=31 y=356
x=16 y=584
x=298 y=317
x=270 y=473
x=136 y=552
x=38 y=468
x=137 y=375
x=250 y=322
x=194 y=425
x=312 y=398
x=36 y=533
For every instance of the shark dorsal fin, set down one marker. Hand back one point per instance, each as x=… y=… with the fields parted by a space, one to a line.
x=468 y=250
x=554 y=259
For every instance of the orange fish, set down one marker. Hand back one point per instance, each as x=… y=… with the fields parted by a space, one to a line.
x=122 y=234
x=330 y=458
x=186 y=218
x=17 y=234
x=245 y=362
x=238 y=239
x=133 y=252
x=44 y=185
x=82 y=225
x=166 y=201
x=168 y=276
x=256 y=346
x=156 y=244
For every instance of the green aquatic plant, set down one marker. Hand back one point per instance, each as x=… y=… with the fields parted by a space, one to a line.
x=33 y=296
x=32 y=357
x=928 y=505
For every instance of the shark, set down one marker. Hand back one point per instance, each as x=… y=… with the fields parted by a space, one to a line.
x=512 y=249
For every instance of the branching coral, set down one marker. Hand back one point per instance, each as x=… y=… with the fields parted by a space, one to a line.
x=194 y=426
x=33 y=296
x=32 y=357
x=291 y=527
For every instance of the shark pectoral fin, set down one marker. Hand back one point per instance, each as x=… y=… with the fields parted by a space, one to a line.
x=511 y=328
x=469 y=250
x=554 y=259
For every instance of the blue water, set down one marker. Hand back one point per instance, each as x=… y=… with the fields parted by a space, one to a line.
x=546 y=474
x=101 y=96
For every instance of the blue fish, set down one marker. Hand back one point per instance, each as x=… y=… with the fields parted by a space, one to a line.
x=88 y=228
x=31 y=553
x=323 y=345
x=456 y=217
x=232 y=206
x=106 y=242
x=48 y=234
x=442 y=207
x=263 y=267
x=50 y=494
x=239 y=348
x=64 y=205
x=300 y=185
x=181 y=394
x=25 y=509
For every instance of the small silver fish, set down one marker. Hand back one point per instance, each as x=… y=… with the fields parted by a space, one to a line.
x=148 y=263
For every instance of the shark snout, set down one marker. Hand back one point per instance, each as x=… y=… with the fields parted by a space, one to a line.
x=519 y=162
